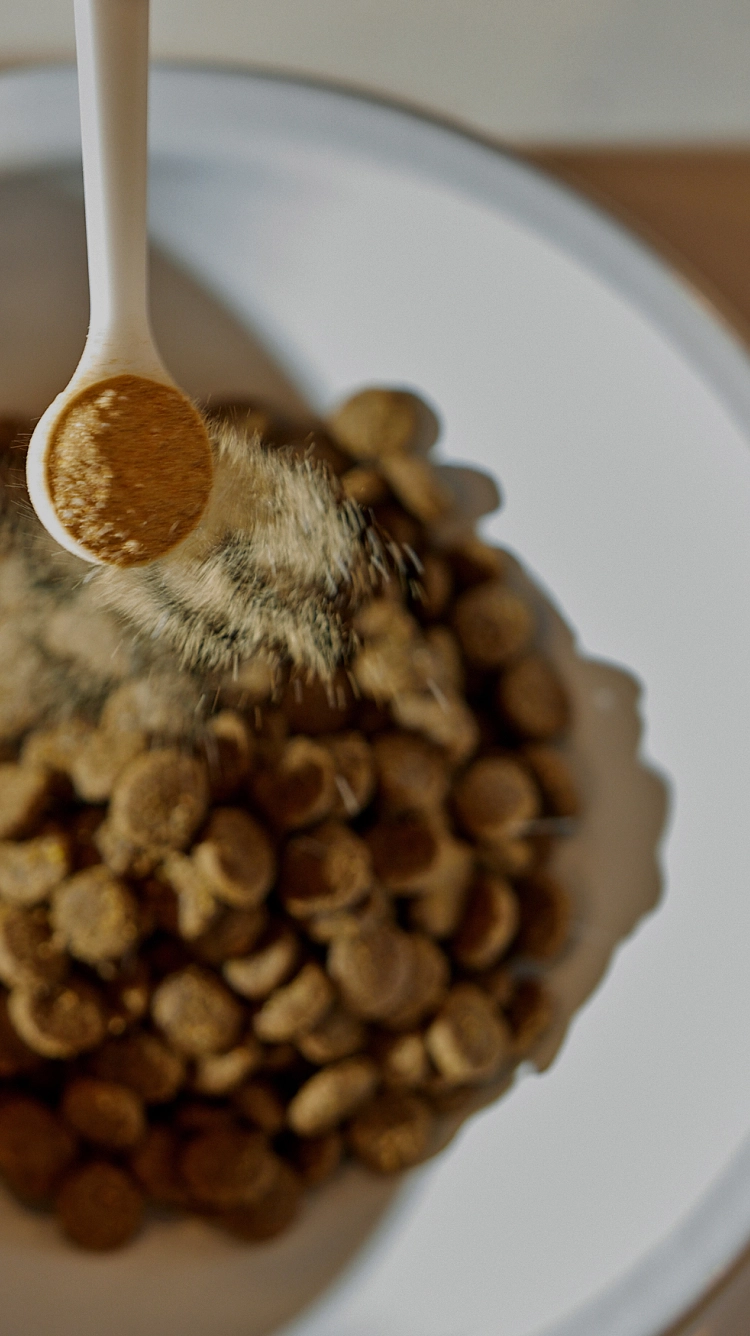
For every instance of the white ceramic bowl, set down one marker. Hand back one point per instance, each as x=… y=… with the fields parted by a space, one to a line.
x=309 y=241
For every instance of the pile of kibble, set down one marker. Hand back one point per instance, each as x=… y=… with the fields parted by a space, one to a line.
x=307 y=933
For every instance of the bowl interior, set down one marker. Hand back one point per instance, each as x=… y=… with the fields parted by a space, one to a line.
x=307 y=243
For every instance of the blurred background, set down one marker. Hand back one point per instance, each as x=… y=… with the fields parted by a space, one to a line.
x=643 y=104
x=551 y=71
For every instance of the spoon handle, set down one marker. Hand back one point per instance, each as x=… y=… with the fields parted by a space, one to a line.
x=112 y=49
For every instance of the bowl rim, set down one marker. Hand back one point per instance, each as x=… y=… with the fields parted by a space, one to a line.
x=665 y=1284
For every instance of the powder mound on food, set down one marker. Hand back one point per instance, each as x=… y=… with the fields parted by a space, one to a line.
x=129 y=469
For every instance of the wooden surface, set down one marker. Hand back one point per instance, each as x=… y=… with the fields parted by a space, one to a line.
x=692 y=204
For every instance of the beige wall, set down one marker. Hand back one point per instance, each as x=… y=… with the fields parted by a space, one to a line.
x=524 y=69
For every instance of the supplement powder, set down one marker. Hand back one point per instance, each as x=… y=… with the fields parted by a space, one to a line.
x=129 y=469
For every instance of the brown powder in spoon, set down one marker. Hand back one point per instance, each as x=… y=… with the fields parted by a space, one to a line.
x=129 y=469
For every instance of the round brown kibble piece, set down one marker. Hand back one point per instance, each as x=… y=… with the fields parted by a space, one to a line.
x=29 y=954
x=373 y=971
x=376 y=423
x=100 y=758
x=428 y=982
x=234 y=933
x=236 y=858
x=296 y=1007
x=227 y=1168
x=412 y=852
x=144 y=1063
x=385 y=669
x=220 y=1073
x=392 y=1132
x=155 y=1165
x=468 y=1041
x=532 y=699
x=325 y=869
x=108 y=1114
x=338 y=1035
x=417 y=486
x=555 y=779
x=272 y=1214
x=60 y=1022
x=317 y=1158
x=160 y=799
x=256 y=975
x=36 y=1148
x=489 y=924
x=354 y=773
x=95 y=915
x=331 y=1096
x=161 y=704
x=411 y=773
x=196 y=1013
x=300 y=789
x=545 y=917
x=493 y=624
x=495 y=798
x=100 y=1206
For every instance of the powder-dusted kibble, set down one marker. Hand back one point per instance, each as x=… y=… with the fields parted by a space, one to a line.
x=252 y=926
x=129 y=469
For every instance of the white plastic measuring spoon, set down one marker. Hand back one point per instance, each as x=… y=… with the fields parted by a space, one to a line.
x=112 y=51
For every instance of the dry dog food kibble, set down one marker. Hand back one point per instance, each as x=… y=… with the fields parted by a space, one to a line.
x=104 y=1113
x=331 y=1095
x=228 y=1167
x=144 y=1063
x=100 y=1206
x=196 y=1013
x=59 y=1021
x=253 y=927
x=392 y=1132
x=95 y=916
x=272 y=1213
x=35 y=1148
